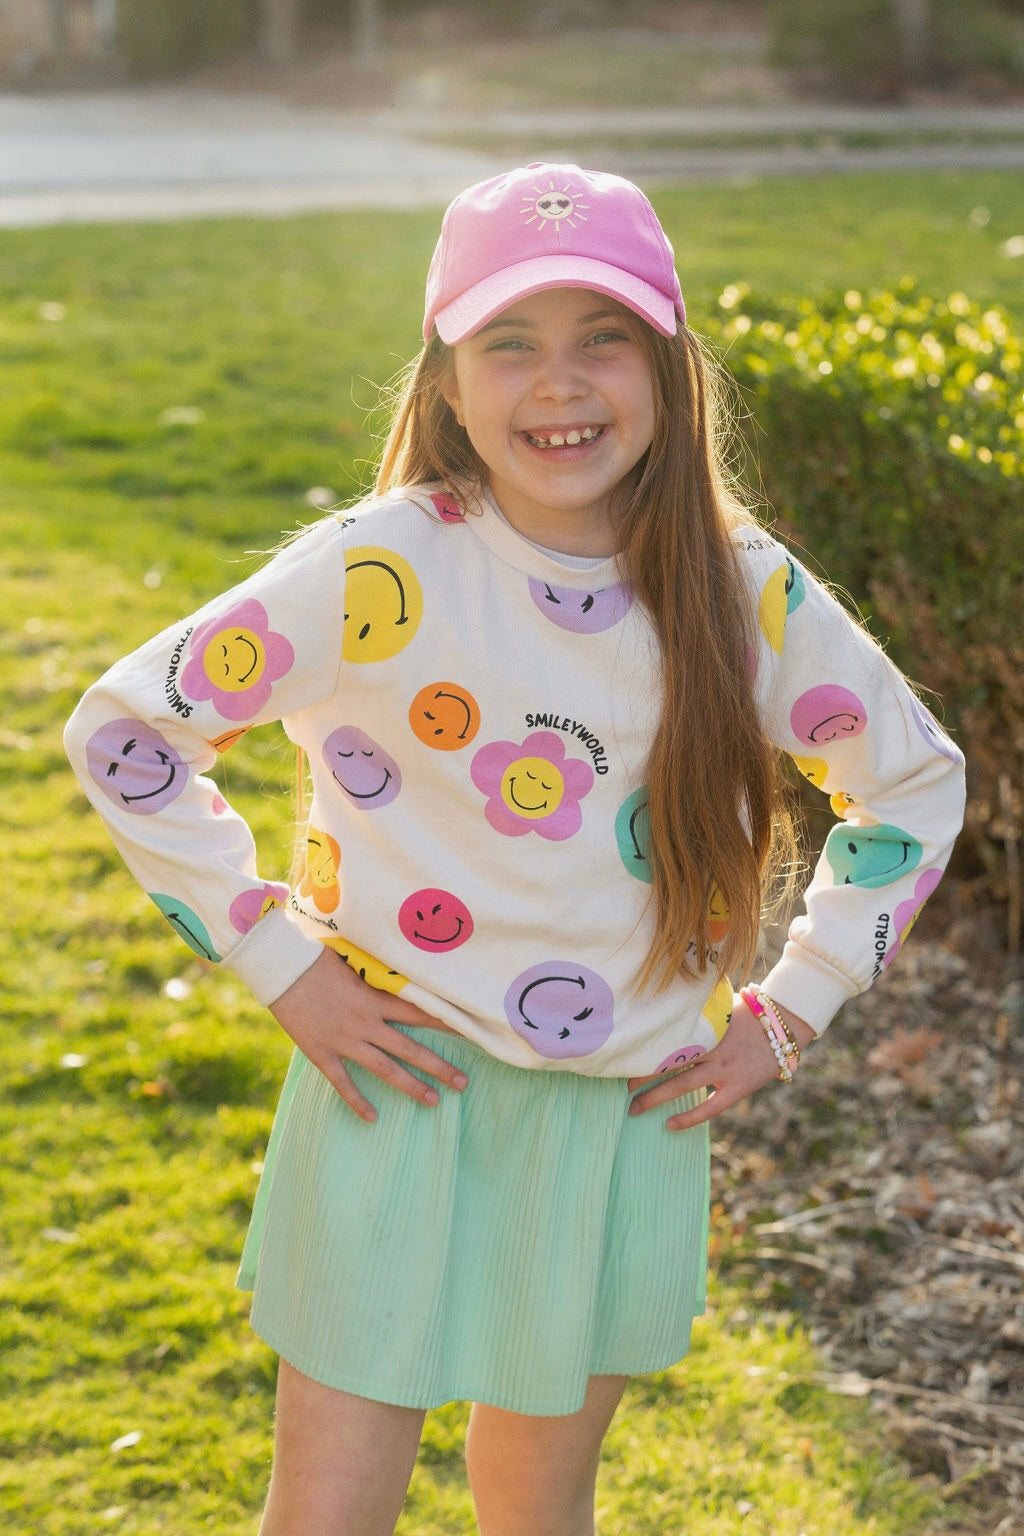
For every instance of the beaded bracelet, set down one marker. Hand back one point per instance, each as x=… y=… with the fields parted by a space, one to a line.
x=777 y=1032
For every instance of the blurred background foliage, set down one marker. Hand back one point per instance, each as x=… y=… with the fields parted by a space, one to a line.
x=873 y=48
x=887 y=429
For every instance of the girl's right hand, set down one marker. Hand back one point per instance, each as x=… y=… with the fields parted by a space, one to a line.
x=334 y=1016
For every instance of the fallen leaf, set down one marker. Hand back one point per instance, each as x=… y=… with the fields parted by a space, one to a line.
x=125 y=1442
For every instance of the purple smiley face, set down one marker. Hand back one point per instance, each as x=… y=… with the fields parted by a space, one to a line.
x=826 y=714
x=932 y=732
x=367 y=776
x=561 y=1009
x=136 y=768
x=584 y=613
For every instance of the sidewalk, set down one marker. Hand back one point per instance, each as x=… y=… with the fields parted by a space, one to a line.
x=184 y=152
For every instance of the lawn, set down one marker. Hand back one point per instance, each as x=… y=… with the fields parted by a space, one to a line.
x=170 y=393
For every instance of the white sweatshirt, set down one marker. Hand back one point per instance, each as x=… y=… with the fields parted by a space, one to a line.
x=476 y=716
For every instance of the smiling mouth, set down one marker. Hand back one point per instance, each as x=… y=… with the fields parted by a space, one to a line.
x=161 y=788
x=448 y=939
x=522 y=803
x=572 y=438
x=369 y=794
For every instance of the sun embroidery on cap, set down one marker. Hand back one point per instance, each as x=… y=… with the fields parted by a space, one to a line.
x=553 y=206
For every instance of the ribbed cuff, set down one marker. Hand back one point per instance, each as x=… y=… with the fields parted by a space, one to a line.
x=273 y=955
x=808 y=986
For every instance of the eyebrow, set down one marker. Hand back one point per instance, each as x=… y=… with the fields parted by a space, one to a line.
x=531 y=325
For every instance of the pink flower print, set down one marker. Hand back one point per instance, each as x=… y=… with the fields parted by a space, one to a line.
x=234 y=658
x=247 y=909
x=532 y=786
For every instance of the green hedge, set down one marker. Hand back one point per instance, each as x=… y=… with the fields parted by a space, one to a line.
x=856 y=43
x=887 y=430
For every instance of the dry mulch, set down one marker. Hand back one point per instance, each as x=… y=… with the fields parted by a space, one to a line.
x=881 y=1198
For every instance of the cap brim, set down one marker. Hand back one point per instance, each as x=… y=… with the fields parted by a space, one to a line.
x=465 y=315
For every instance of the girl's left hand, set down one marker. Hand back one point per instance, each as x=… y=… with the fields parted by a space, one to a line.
x=740 y=1063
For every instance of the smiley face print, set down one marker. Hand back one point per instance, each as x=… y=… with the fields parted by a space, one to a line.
x=677 y=1059
x=908 y=912
x=633 y=835
x=367 y=967
x=136 y=768
x=187 y=925
x=444 y=716
x=582 y=613
x=435 y=921
x=871 y=856
x=320 y=878
x=814 y=769
x=781 y=594
x=446 y=507
x=253 y=905
x=827 y=714
x=383 y=604
x=561 y=1009
x=717 y=1011
x=532 y=786
x=234 y=659
x=367 y=776
x=932 y=731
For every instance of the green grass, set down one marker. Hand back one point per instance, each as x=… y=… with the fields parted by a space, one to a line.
x=167 y=396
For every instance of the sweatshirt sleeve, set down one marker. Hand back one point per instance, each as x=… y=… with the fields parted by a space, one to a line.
x=833 y=701
x=144 y=737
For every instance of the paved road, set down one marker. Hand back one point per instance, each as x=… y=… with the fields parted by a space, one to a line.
x=172 y=153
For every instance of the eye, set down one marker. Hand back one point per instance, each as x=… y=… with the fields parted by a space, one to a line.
x=607 y=338
x=508 y=344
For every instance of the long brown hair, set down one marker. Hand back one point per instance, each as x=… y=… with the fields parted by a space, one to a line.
x=721 y=832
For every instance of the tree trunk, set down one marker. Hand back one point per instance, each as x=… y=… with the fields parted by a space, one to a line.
x=279 y=29
x=58 y=31
x=367 y=30
x=914 y=21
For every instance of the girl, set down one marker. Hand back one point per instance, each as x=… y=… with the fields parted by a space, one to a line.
x=542 y=681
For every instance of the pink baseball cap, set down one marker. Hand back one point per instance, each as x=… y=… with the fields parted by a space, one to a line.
x=549 y=226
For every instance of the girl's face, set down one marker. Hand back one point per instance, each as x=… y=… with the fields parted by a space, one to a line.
x=557 y=398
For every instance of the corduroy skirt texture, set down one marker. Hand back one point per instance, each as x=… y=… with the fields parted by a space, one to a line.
x=500 y=1247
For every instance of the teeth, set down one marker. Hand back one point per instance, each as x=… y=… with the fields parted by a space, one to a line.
x=571 y=439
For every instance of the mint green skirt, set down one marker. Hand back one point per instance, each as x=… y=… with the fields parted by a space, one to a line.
x=501 y=1247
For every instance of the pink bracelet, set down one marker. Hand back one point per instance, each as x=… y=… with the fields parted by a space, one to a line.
x=777 y=1033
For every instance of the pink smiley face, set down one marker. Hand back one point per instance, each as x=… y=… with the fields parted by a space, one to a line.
x=681 y=1058
x=826 y=714
x=136 y=768
x=367 y=776
x=435 y=921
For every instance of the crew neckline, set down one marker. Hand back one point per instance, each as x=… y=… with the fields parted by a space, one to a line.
x=515 y=549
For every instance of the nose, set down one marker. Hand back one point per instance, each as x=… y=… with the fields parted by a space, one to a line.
x=560 y=377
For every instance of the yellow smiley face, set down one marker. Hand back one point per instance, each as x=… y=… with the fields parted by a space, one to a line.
x=234 y=659
x=532 y=787
x=814 y=769
x=718 y=1008
x=383 y=604
x=771 y=610
x=373 y=971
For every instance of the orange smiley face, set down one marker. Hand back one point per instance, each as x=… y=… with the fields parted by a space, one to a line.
x=444 y=716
